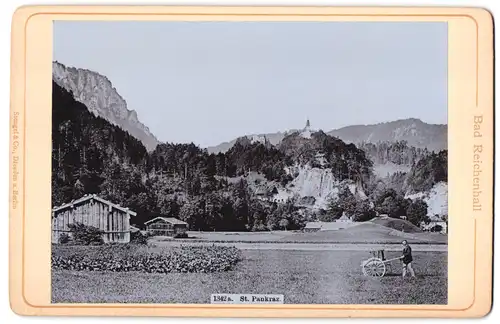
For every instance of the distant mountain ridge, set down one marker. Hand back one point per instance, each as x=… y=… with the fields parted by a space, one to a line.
x=271 y=138
x=413 y=131
x=102 y=99
x=97 y=93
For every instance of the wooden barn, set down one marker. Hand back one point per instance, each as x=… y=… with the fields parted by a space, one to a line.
x=166 y=226
x=91 y=210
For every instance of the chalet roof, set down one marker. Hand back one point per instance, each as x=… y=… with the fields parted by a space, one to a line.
x=437 y=222
x=170 y=220
x=95 y=197
x=313 y=225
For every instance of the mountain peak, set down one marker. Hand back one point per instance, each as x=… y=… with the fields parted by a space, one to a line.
x=97 y=93
x=414 y=131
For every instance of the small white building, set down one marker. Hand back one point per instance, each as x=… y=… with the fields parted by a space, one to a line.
x=435 y=226
x=344 y=219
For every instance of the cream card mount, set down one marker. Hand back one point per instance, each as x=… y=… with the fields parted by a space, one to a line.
x=251 y=161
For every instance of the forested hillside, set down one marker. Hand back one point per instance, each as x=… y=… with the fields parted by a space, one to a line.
x=345 y=160
x=428 y=171
x=87 y=151
x=90 y=155
x=399 y=153
x=303 y=178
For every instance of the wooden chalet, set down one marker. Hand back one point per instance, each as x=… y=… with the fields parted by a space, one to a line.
x=312 y=227
x=166 y=226
x=91 y=210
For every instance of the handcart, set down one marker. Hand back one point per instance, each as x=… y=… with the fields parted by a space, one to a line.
x=377 y=265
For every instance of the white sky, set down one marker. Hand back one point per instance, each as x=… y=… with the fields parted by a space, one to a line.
x=210 y=82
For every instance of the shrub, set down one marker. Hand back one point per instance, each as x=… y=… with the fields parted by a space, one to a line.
x=125 y=258
x=258 y=226
x=138 y=238
x=284 y=223
x=86 y=235
x=363 y=212
x=437 y=228
x=181 y=235
x=417 y=211
x=64 y=238
x=326 y=217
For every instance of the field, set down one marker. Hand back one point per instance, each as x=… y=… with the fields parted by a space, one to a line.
x=321 y=267
x=303 y=277
x=368 y=233
x=376 y=232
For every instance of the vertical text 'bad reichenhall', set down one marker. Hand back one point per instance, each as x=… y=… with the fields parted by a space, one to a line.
x=477 y=167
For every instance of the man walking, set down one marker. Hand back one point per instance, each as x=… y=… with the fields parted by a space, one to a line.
x=407 y=259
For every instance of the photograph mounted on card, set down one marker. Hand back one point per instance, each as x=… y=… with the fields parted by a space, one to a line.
x=251 y=161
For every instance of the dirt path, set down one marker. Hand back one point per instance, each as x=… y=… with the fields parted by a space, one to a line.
x=311 y=246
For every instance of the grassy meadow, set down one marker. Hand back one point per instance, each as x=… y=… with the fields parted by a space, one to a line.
x=303 y=277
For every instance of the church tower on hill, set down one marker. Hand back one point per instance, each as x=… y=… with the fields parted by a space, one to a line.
x=308 y=125
x=306 y=132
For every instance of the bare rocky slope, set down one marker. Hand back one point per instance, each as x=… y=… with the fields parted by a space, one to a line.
x=97 y=93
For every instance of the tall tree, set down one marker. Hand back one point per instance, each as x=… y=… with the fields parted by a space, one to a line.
x=417 y=211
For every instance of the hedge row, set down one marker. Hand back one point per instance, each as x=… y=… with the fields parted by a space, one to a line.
x=183 y=259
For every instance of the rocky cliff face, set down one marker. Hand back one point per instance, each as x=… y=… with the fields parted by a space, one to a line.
x=311 y=187
x=436 y=199
x=97 y=93
x=319 y=184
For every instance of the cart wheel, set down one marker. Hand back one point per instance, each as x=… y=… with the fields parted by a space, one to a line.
x=364 y=268
x=374 y=267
